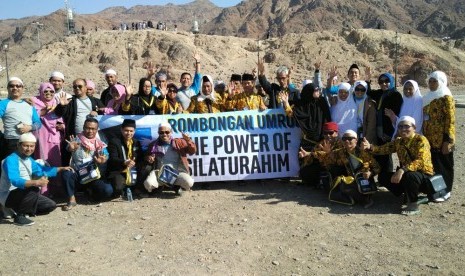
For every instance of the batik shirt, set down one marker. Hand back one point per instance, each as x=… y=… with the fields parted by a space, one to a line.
x=340 y=157
x=205 y=106
x=439 y=122
x=245 y=101
x=414 y=153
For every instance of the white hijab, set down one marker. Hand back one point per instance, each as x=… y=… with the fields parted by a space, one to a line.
x=412 y=106
x=344 y=113
x=202 y=96
x=442 y=90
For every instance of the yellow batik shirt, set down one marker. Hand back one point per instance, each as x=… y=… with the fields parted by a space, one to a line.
x=165 y=107
x=414 y=153
x=340 y=157
x=201 y=107
x=439 y=122
x=245 y=101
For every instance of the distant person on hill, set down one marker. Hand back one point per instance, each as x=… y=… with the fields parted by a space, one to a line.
x=111 y=79
x=189 y=87
x=273 y=89
x=17 y=115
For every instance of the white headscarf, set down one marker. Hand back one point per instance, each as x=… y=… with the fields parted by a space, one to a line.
x=344 y=113
x=202 y=96
x=442 y=90
x=412 y=106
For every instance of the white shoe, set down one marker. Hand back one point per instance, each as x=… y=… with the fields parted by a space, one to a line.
x=443 y=198
x=8 y=213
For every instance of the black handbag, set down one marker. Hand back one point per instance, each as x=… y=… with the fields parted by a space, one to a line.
x=436 y=187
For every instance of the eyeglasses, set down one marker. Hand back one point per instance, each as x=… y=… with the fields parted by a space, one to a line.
x=15 y=86
x=78 y=86
x=172 y=90
x=361 y=89
x=328 y=132
x=404 y=126
x=348 y=138
x=49 y=92
x=164 y=132
x=382 y=81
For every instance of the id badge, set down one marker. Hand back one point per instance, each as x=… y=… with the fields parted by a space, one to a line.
x=151 y=112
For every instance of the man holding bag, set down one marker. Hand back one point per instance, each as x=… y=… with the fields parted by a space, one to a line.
x=166 y=160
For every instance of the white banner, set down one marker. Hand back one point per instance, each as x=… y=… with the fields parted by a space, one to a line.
x=231 y=145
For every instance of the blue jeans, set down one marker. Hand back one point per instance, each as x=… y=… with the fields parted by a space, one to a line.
x=100 y=189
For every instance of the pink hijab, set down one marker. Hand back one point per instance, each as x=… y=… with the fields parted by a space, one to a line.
x=39 y=101
x=113 y=105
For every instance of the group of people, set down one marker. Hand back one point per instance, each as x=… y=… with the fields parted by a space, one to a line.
x=346 y=120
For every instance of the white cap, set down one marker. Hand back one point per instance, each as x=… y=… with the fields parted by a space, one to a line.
x=350 y=133
x=58 y=75
x=344 y=86
x=110 y=72
x=15 y=79
x=407 y=119
x=27 y=137
x=305 y=82
x=164 y=124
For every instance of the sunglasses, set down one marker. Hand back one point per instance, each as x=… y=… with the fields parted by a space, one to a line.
x=15 y=85
x=348 y=138
x=328 y=132
x=381 y=81
x=404 y=126
x=78 y=86
x=362 y=89
x=172 y=90
x=164 y=132
x=49 y=92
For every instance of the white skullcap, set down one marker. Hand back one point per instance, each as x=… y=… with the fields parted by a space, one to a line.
x=344 y=86
x=27 y=137
x=15 y=79
x=164 y=124
x=350 y=133
x=305 y=82
x=407 y=119
x=110 y=72
x=58 y=75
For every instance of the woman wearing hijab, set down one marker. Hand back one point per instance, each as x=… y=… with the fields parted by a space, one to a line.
x=366 y=112
x=142 y=103
x=344 y=112
x=311 y=113
x=412 y=106
x=50 y=134
x=207 y=101
x=168 y=104
x=387 y=97
x=439 y=127
x=118 y=92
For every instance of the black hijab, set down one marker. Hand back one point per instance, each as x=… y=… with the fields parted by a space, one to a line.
x=311 y=113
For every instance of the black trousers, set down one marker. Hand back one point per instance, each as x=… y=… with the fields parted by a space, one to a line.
x=29 y=201
x=412 y=183
x=310 y=174
x=444 y=164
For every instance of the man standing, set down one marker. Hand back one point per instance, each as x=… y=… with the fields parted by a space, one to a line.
x=18 y=116
x=248 y=99
x=21 y=181
x=188 y=87
x=111 y=79
x=273 y=89
x=125 y=155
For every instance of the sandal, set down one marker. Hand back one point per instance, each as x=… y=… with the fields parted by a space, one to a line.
x=69 y=206
x=411 y=210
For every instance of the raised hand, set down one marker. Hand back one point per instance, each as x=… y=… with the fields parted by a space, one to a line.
x=303 y=153
x=365 y=145
x=317 y=65
x=325 y=146
x=231 y=89
x=186 y=136
x=261 y=67
x=72 y=143
x=196 y=56
x=63 y=98
x=129 y=91
x=368 y=73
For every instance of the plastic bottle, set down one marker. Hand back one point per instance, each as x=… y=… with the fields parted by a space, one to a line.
x=129 y=194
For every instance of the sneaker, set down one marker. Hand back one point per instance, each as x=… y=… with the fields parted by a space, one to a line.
x=23 y=221
x=8 y=213
x=179 y=191
x=443 y=198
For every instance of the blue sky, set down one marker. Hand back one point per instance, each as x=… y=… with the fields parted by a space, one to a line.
x=24 y=8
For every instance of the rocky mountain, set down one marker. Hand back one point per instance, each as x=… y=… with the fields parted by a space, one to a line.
x=259 y=18
x=89 y=55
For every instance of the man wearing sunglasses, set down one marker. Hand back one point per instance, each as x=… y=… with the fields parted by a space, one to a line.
x=172 y=152
x=17 y=115
x=413 y=151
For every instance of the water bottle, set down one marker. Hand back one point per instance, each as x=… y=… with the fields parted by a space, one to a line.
x=129 y=194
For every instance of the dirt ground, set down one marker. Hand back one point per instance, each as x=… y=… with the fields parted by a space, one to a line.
x=253 y=228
